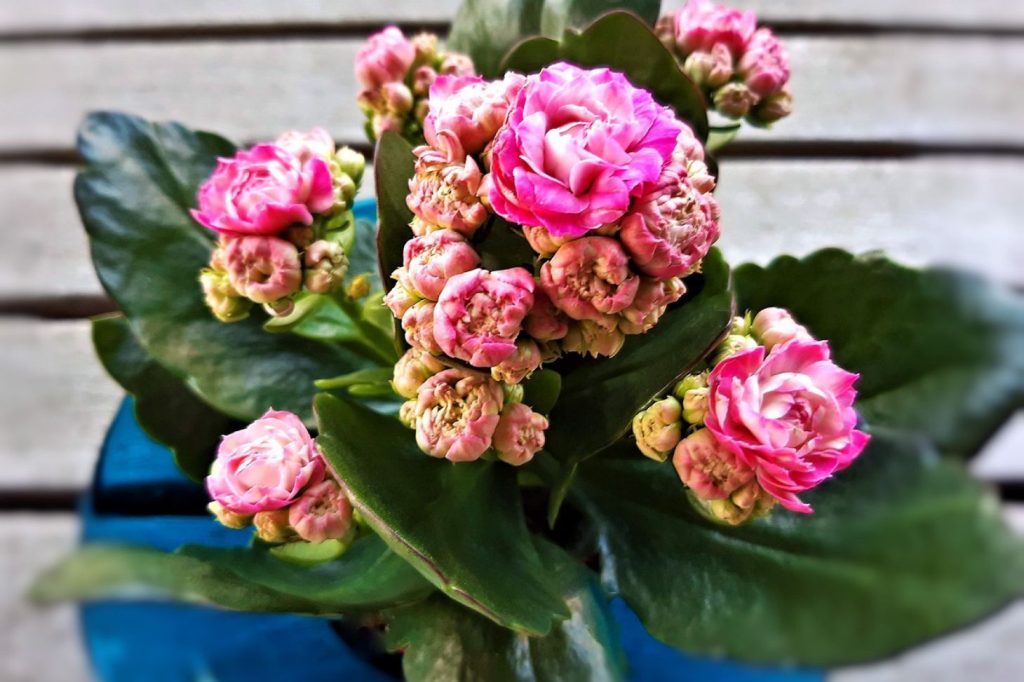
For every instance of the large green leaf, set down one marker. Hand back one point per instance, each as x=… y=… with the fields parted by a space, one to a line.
x=621 y=42
x=443 y=641
x=559 y=15
x=460 y=525
x=134 y=194
x=393 y=165
x=599 y=397
x=939 y=352
x=901 y=547
x=162 y=402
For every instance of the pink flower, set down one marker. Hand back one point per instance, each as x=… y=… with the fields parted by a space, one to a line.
x=456 y=414
x=418 y=324
x=469 y=109
x=265 y=466
x=322 y=513
x=788 y=416
x=765 y=64
x=590 y=338
x=708 y=468
x=434 y=258
x=519 y=365
x=480 y=313
x=775 y=326
x=672 y=227
x=653 y=297
x=385 y=58
x=578 y=144
x=263 y=269
x=589 y=279
x=520 y=434
x=545 y=322
x=443 y=195
x=700 y=24
x=264 y=190
x=411 y=370
x=399 y=300
x=317 y=143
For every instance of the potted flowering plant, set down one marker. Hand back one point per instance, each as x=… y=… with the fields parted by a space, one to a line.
x=535 y=385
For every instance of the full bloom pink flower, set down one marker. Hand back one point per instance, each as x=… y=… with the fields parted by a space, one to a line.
x=456 y=414
x=307 y=145
x=385 y=58
x=264 y=190
x=443 y=194
x=469 y=109
x=788 y=416
x=520 y=434
x=322 y=513
x=775 y=326
x=700 y=24
x=707 y=467
x=480 y=313
x=653 y=297
x=265 y=466
x=432 y=259
x=263 y=269
x=418 y=324
x=578 y=144
x=590 y=279
x=765 y=64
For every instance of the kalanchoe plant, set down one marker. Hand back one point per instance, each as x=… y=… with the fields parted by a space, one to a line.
x=551 y=326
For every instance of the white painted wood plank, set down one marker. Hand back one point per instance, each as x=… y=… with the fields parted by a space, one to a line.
x=37 y=644
x=894 y=87
x=79 y=15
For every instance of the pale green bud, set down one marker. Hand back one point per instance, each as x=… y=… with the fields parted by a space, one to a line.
x=226 y=304
x=407 y=414
x=689 y=383
x=772 y=108
x=513 y=393
x=227 y=518
x=734 y=100
x=695 y=405
x=351 y=163
x=326 y=265
x=748 y=503
x=658 y=429
x=733 y=344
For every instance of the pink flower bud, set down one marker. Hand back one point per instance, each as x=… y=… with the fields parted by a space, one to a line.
x=317 y=143
x=772 y=108
x=520 y=364
x=226 y=304
x=272 y=526
x=708 y=468
x=385 y=58
x=658 y=429
x=265 y=466
x=480 y=313
x=700 y=24
x=326 y=265
x=386 y=121
x=775 y=326
x=469 y=108
x=422 y=79
x=734 y=100
x=590 y=338
x=545 y=322
x=399 y=300
x=652 y=299
x=765 y=64
x=710 y=69
x=589 y=279
x=322 y=513
x=263 y=269
x=542 y=241
x=457 y=64
x=456 y=414
x=418 y=324
x=411 y=370
x=750 y=501
x=432 y=259
x=397 y=98
x=520 y=434
x=444 y=195
x=425 y=45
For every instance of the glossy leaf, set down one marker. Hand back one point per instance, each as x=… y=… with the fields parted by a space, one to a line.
x=163 y=404
x=901 y=547
x=621 y=42
x=393 y=166
x=134 y=194
x=362 y=256
x=460 y=525
x=444 y=641
x=541 y=390
x=559 y=15
x=940 y=353
x=599 y=397
x=502 y=245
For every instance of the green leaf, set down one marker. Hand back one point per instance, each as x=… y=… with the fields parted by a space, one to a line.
x=940 y=353
x=368 y=576
x=362 y=257
x=559 y=15
x=541 y=390
x=162 y=402
x=460 y=525
x=599 y=397
x=720 y=136
x=621 y=42
x=134 y=194
x=502 y=245
x=901 y=547
x=393 y=165
x=443 y=641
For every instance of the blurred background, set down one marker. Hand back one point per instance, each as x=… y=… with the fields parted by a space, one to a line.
x=907 y=137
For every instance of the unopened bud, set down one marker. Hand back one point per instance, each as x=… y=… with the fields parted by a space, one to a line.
x=425 y=45
x=775 y=326
x=273 y=526
x=695 y=405
x=326 y=265
x=741 y=325
x=280 y=308
x=399 y=300
x=748 y=503
x=351 y=163
x=734 y=100
x=513 y=393
x=411 y=370
x=658 y=429
x=300 y=235
x=226 y=304
x=586 y=337
x=457 y=64
x=227 y=518
x=407 y=414
x=711 y=69
x=689 y=383
x=359 y=286
x=397 y=97
x=665 y=29
x=772 y=108
x=733 y=344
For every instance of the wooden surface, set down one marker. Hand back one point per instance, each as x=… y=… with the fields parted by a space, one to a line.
x=907 y=137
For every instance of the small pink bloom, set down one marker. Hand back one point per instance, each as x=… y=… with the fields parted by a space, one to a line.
x=385 y=58
x=520 y=434
x=322 y=513
x=456 y=414
x=264 y=190
x=434 y=258
x=412 y=369
x=265 y=466
x=652 y=299
x=591 y=338
x=788 y=416
x=590 y=279
x=317 y=143
x=443 y=195
x=765 y=64
x=545 y=322
x=712 y=471
x=263 y=269
x=469 y=108
x=577 y=146
x=700 y=24
x=480 y=313
x=399 y=299
x=418 y=324
x=519 y=365
x=775 y=326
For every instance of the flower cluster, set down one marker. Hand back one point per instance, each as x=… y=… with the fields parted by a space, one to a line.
x=396 y=74
x=270 y=475
x=742 y=69
x=280 y=210
x=773 y=417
